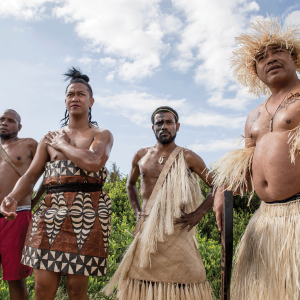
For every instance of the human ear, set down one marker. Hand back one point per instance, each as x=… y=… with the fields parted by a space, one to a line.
x=153 y=129
x=92 y=100
x=177 y=126
x=20 y=127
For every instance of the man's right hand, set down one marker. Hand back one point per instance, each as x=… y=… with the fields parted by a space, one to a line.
x=218 y=206
x=8 y=208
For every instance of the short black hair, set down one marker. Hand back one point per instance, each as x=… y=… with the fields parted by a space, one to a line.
x=76 y=75
x=165 y=109
x=16 y=114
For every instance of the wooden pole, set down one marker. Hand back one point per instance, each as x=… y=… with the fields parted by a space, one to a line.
x=227 y=244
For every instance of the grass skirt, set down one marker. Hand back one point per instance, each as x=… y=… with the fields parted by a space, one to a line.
x=267 y=261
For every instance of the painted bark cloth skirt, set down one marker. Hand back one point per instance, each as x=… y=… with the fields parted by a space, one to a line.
x=69 y=232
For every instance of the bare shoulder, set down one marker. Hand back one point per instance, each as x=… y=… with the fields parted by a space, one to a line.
x=141 y=153
x=29 y=142
x=255 y=113
x=190 y=155
x=101 y=133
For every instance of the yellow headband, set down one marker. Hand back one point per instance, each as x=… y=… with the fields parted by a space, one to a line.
x=161 y=109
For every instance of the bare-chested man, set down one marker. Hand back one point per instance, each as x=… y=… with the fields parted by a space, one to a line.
x=163 y=261
x=69 y=231
x=268 y=259
x=21 y=153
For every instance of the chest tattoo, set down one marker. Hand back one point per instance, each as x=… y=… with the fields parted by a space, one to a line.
x=255 y=117
x=292 y=98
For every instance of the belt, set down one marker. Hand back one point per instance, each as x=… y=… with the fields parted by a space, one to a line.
x=20 y=208
x=293 y=198
x=74 y=187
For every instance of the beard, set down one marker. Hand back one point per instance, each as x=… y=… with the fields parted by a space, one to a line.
x=163 y=140
x=7 y=136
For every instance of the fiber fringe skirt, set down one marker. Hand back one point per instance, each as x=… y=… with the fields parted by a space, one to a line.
x=267 y=261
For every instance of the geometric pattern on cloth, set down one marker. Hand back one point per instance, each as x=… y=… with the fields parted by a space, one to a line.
x=104 y=212
x=68 y=168
x=55 y=216
x=36 y=216
x=57 y=261
x=83 y=217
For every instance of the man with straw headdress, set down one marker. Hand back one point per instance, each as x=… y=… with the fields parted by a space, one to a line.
x=163 y=261
x=266 y=266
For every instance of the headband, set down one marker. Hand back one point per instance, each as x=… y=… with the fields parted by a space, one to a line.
x=164 y=109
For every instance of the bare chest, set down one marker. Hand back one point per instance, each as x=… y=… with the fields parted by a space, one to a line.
x=20 y=155
x=262 y=122
x=151 y=166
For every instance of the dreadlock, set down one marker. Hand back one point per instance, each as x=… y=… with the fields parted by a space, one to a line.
x=76 y=76
x=165 y=109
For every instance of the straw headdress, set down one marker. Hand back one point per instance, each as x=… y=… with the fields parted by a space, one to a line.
x=263 y=32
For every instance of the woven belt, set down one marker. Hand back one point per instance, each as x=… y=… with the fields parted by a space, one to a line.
x=74 y=187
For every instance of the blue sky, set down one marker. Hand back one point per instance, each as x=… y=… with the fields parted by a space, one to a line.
x=139 y=54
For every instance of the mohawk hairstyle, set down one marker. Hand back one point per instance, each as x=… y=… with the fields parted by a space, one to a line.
x=264 y=32
x=76 y=76
x=165 y=109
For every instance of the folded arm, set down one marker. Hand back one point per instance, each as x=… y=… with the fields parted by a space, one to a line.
x=92 y=159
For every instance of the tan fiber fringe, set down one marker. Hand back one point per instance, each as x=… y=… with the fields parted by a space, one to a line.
x=263 y=32
x=294 y=144
x=180 y=188
x=143 y=290
x=267 y=261
x=232 y=170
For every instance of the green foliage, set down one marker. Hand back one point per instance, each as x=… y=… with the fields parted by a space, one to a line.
x=123 y=222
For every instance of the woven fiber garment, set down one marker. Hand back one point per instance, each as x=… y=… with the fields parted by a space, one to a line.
x=163 y=261
x=267 y=262
x=69 y=232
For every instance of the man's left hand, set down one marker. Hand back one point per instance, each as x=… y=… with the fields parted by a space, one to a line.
x=56 y=139
x=192 y=219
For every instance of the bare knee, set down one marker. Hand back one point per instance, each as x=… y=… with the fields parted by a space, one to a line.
x=77 y=287
x=17 y=289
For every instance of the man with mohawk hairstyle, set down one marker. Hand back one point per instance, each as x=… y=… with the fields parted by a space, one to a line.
x=267 y=261
x=163 y=262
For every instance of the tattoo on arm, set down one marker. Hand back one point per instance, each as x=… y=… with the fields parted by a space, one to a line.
x=255 y=117
x=292 y=98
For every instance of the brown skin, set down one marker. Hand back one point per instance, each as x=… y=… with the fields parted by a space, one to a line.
x=21 y=152
x=145 y=164
x=275 y=178
x=85 y=145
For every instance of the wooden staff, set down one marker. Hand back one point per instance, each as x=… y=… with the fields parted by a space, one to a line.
x=227 y=244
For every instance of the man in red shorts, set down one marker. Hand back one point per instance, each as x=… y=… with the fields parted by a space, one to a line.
x=15 y=157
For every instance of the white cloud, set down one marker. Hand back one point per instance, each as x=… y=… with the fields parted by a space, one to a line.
x=206 y=119
x=293 y=18
x=239 y=101
x=68 y=58
x=130 y=29
x=85 y=60
x=107 y=62
x=215 y=146
x=208 y=37
x=110 y=77
x=23 y=9
x=137 y=106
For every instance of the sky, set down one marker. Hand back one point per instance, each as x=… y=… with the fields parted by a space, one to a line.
x=139 y=55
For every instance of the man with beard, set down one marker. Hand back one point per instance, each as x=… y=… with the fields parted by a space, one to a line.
x=13 y=234
x=163 y=261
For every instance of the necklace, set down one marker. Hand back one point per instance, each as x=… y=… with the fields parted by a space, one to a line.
x=161 y=159
x=272 y=117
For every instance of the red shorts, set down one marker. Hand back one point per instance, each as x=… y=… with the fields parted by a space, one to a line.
x=12 y=239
